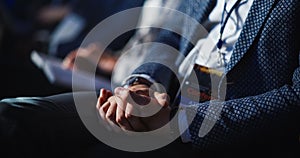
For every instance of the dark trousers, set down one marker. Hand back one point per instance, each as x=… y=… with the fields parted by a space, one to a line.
x=51 y=127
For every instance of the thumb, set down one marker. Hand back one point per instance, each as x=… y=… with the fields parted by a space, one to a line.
x=162 y=99
x=122 y=95
x=122 y=92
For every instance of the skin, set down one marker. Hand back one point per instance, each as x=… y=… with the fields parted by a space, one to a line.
x=52 y=14
x=106 y=62
x=118 y=109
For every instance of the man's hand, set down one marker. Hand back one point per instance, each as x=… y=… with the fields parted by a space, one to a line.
x=135 y=109
x=88 y=56
x=52 y=14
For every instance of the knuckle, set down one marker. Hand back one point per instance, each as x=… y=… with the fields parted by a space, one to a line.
x=164 y=96
x=101 y=112
x=98 y=106
x=128 y=116
x=109 y=99
x=101 y=109
x=120 y=120
x=112 y=99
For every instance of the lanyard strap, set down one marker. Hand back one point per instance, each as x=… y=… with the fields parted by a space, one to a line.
x=223 y=23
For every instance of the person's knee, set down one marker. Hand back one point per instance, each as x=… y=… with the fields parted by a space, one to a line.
x=7 y=125
x=5 y=111
x=7 y=121
x=14 y=137
x=3 y=108
x=8 y=108
x=13 y=114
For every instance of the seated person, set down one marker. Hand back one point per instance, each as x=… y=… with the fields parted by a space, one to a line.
x=122 y=60
x=83 y=17
x=260 y=106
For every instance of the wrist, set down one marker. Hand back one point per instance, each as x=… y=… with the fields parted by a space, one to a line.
x=137 y=81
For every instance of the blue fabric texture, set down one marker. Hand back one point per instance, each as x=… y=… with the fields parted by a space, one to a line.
x=263 y=76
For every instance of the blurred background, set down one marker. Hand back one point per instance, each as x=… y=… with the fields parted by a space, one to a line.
x=41 y=25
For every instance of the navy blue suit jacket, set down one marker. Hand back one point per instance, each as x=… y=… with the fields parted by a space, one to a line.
x=263 y=97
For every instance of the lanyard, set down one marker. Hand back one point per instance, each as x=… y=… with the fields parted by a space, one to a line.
x=223 y=25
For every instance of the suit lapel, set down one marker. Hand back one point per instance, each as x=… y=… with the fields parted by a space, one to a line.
x=256 y=18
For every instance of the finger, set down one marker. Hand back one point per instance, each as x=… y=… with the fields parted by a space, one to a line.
x=111 y=112
x=132 y=97
x=111 y=115
x=107 y=115
x=122 y=92
x=126 y=97
x=102 y=119
x=103 y=109
x=138 y=99
x=126 y=112
x=121 y=120
x=68 y=62
x=120 y=115
x=162 y=99
x=103 y=97
x=91 y=48
x=134 y=121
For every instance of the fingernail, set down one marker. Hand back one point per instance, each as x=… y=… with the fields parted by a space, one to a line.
x=162 y=96
x=120 y=91
x=101 y=92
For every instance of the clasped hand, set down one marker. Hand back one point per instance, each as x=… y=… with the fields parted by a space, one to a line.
x=137 y=108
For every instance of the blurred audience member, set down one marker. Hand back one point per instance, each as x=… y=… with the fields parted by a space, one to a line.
x=153 y=14
x=28 y=25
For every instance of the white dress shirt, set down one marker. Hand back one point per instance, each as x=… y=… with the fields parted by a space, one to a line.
x=205 y=49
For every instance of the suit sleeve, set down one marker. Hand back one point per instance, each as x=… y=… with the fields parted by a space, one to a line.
x=256 y=119
x=160 y=59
